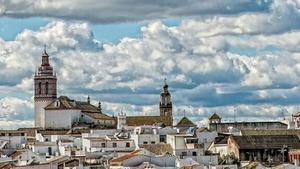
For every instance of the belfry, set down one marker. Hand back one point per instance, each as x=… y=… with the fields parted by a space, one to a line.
x=45 y=89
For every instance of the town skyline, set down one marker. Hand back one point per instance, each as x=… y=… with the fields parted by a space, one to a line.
x=241 y=61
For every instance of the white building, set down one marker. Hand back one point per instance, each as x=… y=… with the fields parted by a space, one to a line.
x=145 y=135
x=119 y=142
x=45 y=148
x=205 y=136
x=220 y=146
x=12 y=139
x=185 y=145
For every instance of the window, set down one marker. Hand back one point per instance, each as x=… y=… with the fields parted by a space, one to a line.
x=40 y=88
x=103 y=145
x=114 y=144
x=162 y=139
x=145 y=142
x=127 y=144
x=152 y=142
x=184 y=153
x=46 y=86
x=194 y=153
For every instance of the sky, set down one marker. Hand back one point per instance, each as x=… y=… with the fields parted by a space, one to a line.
x=240 y=59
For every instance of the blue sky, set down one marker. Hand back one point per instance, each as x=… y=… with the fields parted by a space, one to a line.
x=217 y=56
x=108 y=33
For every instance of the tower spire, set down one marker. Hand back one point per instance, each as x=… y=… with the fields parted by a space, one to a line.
x=88 y=99
x=45 y=48
x=45 y=57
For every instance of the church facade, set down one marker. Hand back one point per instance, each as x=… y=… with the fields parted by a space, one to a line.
x=52 y=112
x=164 y=119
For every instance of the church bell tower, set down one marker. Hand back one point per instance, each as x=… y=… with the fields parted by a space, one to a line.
x=45 y=89
x=165 y=105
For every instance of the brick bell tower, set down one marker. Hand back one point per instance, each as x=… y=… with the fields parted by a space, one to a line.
x=45 y=89
x=165 y=105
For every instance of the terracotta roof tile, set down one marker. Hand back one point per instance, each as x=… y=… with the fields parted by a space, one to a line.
x=214 y=116
x=147 y=120
x=185 y=122
x=87 y=107
x=99 y=116
x=266 y=142
x=126 y=157
x=158 y=149
x=64 y=103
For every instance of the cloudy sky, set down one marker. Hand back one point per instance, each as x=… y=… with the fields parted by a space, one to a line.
x=240 y=59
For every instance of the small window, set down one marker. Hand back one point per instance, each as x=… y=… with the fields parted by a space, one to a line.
x=162 y=139
x=103 y=145
x=145 y=142
x=152 y=142
x=40 y=88
x=46 y=88
x=127 y=144
x=184 y=153
x=114 y=144
x=194 y=153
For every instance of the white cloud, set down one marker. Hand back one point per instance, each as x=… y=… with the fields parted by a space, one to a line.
x=205 y=61
x=12 y=108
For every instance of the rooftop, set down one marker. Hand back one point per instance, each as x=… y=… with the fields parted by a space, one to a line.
x=147 y=120
x=158 y=149
x=266 y=142
x=214 y=116
x=185 y=122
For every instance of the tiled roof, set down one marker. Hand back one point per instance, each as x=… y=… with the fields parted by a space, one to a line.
x=53 y=132
x=87 y=107
x=125 y=157
x=270 y=132
x=214 y=116
x=221 y=140
x=63 y=131
x=56 y=159
x=158 y=149
x=99 y=116
x=185 y=122
x=266 y=142
x=202 y=129
x=64 y=103
x=147 y=120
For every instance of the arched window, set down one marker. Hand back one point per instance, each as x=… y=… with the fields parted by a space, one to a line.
x=40 y=88
x=46 y=88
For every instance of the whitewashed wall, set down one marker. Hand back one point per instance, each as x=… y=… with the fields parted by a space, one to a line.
x=61 y=118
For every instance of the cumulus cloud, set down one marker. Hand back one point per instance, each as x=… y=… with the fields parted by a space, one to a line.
x=118 y=11
x=212 y=65
x=15 y=108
